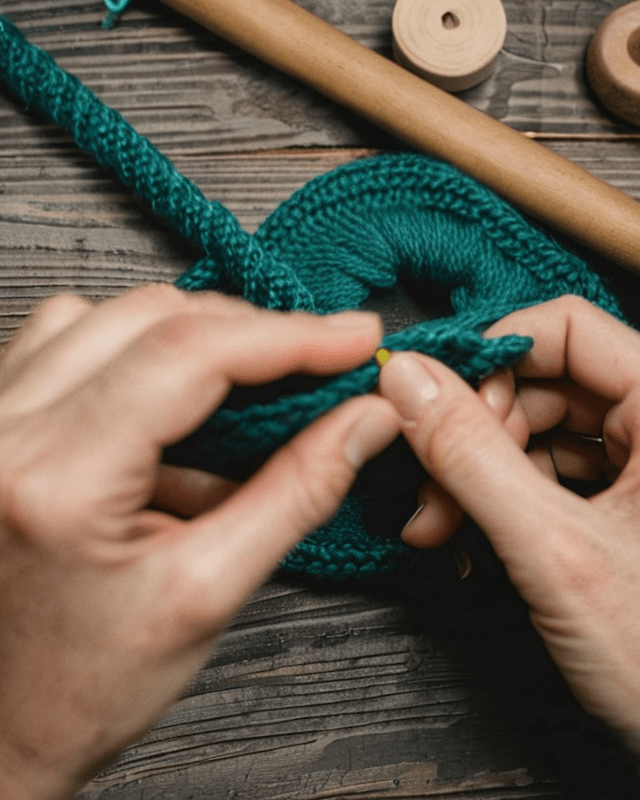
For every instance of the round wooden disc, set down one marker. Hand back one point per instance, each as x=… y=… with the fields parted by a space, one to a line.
x=452 y=43
x=613 y=62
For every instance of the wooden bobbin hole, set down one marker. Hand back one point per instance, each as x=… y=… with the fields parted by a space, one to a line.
x=450 y=20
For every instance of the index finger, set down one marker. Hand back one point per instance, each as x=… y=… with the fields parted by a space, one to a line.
x=575 y=339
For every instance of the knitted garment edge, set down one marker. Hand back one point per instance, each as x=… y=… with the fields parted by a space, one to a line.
x=345 y=236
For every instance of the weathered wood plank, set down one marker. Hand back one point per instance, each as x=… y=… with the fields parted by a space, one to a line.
x=193 y=94
x=334 y=693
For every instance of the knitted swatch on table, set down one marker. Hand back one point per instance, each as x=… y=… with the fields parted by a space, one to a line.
x=344 y=236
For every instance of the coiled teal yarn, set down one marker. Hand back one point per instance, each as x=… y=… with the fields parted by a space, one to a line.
x=338 y=240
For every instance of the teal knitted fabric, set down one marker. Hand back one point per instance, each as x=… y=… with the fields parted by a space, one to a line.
x=345 y=235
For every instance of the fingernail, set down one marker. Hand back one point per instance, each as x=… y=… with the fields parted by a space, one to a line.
x=409 y=384
x=464 y=563
x=498 y=392
x=369 y=436
x=494 y=396
x=415 y=514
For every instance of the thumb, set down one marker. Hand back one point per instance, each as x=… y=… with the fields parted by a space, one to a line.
x=226 y=553
x=464 y=446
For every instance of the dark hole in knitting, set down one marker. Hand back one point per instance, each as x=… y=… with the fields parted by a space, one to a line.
x=409 y=302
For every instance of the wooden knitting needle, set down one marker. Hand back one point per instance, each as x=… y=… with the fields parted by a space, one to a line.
x=533 y=178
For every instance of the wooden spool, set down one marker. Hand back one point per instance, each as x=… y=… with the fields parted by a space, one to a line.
x=454 y=45
x=613 y=62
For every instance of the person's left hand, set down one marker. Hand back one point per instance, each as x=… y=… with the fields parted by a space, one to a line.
x=108 y=604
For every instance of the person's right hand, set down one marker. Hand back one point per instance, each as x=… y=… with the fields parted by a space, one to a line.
x=575 y=561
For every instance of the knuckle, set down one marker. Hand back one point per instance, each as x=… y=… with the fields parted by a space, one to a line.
x=445 y=443
x=61 y=305
x=21 y=493
x=572 y=304
x=229 y=306
x=35 y=507
x=157 y=297
x=619 y=429
x=175 y=335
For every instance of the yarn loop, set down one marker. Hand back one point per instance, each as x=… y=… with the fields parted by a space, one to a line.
x=344 y=237
x=114 y=9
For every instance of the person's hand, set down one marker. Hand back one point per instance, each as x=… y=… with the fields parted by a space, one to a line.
x=575 y=561
x=107 y=604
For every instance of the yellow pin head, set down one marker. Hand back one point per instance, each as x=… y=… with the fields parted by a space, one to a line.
x=382 y=356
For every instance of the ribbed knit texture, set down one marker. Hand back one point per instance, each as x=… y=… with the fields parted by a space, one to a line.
x=343 y=236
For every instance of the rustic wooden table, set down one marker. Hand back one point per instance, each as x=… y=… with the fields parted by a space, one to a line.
x=402 y=689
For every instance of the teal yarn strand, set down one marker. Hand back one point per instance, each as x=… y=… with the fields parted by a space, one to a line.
x=344 y=236
x=33 y=76
x=114 y=9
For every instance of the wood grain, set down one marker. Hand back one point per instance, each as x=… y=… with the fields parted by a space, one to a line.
x=392 y=689
x=341 y=694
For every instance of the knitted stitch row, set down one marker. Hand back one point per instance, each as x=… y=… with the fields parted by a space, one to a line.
x=343 y=236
